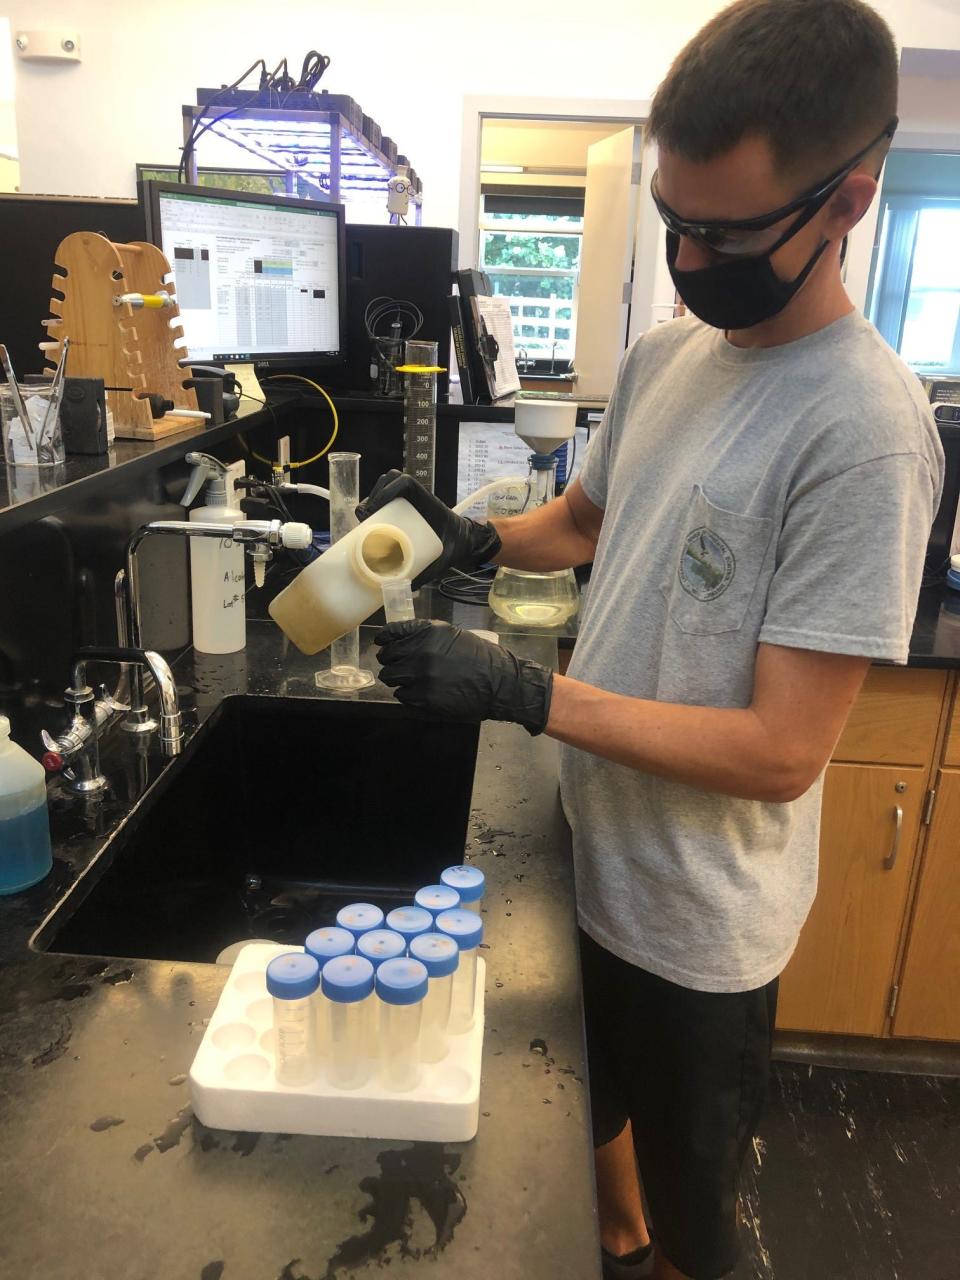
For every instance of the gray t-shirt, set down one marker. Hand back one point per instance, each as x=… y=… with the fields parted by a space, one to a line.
x=779 y=496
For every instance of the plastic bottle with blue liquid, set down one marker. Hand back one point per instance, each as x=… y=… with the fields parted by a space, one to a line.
x=25 y=853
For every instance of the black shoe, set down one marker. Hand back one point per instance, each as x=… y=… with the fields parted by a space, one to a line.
x=631 y=1266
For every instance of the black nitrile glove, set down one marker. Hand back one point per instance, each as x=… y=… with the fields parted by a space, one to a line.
x=466 y=543
x=454 y=673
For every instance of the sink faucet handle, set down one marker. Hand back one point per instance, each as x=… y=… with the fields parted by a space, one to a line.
x=110 y=702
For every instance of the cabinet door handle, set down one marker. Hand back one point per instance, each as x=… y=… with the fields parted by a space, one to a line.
x=890 y=861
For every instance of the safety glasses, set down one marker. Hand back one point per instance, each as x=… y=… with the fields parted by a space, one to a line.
x=747 y=237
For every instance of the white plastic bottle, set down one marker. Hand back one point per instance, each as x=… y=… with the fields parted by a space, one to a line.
x=292 y=980
x=217 y=572
x=25 y=854
x=344 y=586
x=401 y=988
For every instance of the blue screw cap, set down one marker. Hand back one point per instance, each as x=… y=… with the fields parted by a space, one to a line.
x=360 y=917
x=347 y=979
x=409 y=921
x=402 y=981
x=331 y=941
x=293 y=976
x=469 y=882
x=465 y=927
x=437 y=952
x=436 y=898
x=381 y=944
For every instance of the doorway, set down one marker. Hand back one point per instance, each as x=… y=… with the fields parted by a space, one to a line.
x=525 y=222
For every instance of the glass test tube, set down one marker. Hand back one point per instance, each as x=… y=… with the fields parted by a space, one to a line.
x=409 y=921
x=467 y=931
x=401 y=986
x=381 y=944
x=324 y=944
x=292 y=980
x=440 y=956
x=347 y=983
x=345 y=674
x=469 y=882
x=436 y=898
x=359 y=918
x=378 y=945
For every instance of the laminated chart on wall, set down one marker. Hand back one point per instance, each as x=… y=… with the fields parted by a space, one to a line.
x=489 y=450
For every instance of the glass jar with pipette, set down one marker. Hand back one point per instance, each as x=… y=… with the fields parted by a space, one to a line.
x=30 y=416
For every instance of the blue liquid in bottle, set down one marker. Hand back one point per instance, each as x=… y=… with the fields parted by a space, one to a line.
x=25 y=854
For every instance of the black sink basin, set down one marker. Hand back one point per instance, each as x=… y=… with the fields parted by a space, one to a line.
x=279 y=812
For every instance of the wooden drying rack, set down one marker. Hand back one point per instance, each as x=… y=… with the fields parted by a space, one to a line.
x=132 y=351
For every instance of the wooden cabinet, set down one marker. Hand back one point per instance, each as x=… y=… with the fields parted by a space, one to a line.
x=928 y=1004
x=841 y=974
x=951 y=752
x=895 y=719
x=880 y=952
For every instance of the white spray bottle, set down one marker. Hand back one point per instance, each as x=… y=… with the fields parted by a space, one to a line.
x=217 y=572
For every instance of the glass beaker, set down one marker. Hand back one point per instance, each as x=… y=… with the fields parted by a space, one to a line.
x=39 y=441
x=522 y=597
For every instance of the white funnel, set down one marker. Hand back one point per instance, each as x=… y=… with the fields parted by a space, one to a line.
x=545 y=424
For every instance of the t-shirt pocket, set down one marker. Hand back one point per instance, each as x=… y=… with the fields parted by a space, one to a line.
x=715 y=570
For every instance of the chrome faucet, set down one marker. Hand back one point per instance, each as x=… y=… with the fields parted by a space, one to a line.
x=261 y=538
x=78 y=746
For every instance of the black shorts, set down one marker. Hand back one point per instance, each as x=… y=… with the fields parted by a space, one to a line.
x=689 y=1069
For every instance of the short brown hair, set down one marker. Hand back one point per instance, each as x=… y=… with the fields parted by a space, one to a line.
x=816 y=78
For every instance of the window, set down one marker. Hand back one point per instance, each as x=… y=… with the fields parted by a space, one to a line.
x=916 y=295
x=263 y=182
x=530 y=242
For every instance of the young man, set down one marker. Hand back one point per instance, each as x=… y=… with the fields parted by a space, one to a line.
x=756 y=507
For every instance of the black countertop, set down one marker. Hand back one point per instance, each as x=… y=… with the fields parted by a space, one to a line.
x=109 y=1175
x=27 y=493
x=936 y=631
x=935 y=641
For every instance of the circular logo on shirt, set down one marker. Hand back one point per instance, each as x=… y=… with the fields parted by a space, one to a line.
x=707 y=564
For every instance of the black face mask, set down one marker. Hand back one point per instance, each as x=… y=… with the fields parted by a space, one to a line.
x=741 y=292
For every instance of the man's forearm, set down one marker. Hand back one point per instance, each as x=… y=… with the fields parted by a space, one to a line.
x=713 y=749
x=542 y=540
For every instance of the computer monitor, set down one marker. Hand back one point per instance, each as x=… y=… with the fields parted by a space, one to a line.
x=258 y=277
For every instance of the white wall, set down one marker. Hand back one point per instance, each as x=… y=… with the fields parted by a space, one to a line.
x=9 y=165
x=929 y=110
x=82 y=128
x=409 y=65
